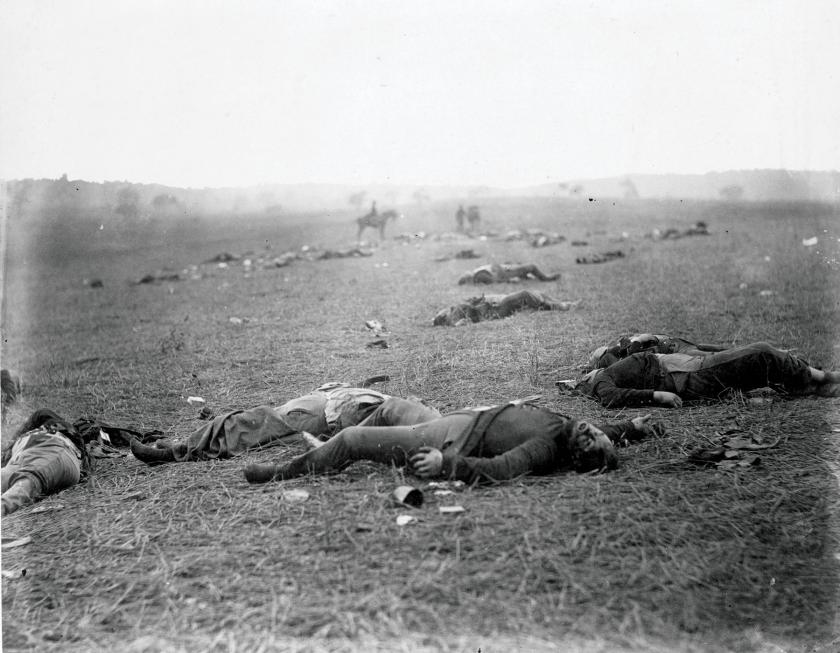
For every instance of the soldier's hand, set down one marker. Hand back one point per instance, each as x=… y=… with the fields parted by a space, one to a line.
x=646 y=428
x=667 y=399
x=427 y=462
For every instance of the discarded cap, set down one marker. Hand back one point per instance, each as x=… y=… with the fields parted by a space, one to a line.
x=408 y=496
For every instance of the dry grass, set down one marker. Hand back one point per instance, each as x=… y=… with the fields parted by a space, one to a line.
x=658 y=556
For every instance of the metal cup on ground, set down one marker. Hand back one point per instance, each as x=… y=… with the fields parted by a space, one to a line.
x=406 y=495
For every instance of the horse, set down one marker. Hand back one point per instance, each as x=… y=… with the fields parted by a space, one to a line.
x=376 y=221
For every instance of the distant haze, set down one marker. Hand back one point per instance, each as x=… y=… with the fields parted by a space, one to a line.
x=35 y=199
x=365 y=92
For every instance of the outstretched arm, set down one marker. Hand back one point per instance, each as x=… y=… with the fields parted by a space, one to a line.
x=632 y=430
x=610 y=395
x=707 y=347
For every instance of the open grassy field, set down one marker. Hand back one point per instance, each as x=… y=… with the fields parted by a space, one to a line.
x=657 y=556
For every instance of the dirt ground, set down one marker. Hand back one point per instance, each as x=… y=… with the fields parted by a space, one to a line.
x=659 y=555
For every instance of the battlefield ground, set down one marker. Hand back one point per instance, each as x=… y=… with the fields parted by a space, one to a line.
x=660 y=555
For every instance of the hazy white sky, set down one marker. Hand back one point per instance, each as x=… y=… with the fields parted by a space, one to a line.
x=209 y=93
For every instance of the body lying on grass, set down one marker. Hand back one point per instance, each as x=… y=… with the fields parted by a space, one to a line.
x=668 y=379
x=324 y=411
x=45 y=456
x=506 y=273
x=494 y=307
x=484 y=444
x=625 y=345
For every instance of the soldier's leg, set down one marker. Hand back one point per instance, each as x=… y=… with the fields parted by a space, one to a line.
x=396 y=411
x=25 y=490
x=384 y=444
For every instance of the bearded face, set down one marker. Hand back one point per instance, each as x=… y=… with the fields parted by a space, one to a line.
x=591 y=448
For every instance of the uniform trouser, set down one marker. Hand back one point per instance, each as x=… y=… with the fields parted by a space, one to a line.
x=743 y=368
x=395 y=411
x=523 y=271
x=35 y=471
x=242 y=430
x=525 y=299
x=391 y=445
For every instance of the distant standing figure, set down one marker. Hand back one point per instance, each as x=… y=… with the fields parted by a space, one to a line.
x=505 y=273
x=460 y=214
x=493 y=307
x=473 y=217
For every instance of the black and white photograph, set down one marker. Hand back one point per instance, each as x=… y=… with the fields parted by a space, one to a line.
x=357 y=326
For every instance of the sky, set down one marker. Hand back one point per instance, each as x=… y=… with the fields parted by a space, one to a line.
x=222 y=93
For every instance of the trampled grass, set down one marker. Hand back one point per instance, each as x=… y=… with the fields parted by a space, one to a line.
x=660 y=555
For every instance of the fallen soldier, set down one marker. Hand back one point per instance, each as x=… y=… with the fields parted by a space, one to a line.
x=327 y=410
x=159 y=277
x=486 y=444
x=494 y=307
x=506 y=273
x=699 y=228
x=669 y=379
x=535 y=237
x=625 y=345
x=341 y=253
x=46 y=455
x=603 y=257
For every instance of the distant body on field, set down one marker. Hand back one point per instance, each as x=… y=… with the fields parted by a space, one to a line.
x=493 y=307
x=505 y=273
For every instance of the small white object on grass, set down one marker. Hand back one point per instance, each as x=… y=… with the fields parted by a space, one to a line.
x=295 y=496
x=11 y=543
x=47 y=508
x=236 y=320
x=402 y=520
x=761 y=400
x=766 y=293
x=810 y=242
x=447 y=510
x=446 y=484
x=195 y=401
x=14 y=573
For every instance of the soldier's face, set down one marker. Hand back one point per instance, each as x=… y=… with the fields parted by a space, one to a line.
x=591 y=448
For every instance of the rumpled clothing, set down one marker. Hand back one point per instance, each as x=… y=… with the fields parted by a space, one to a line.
x=327 y=410
x=345 y=405
x=42 y=462
x=676 y=368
